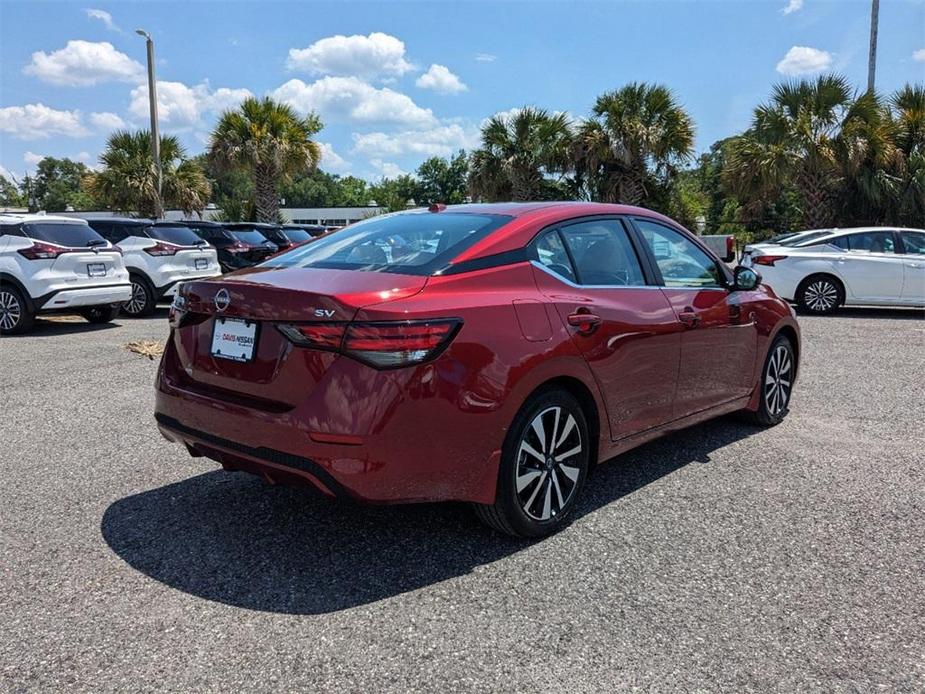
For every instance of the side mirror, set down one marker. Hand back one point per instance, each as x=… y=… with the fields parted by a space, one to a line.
x=745 y=279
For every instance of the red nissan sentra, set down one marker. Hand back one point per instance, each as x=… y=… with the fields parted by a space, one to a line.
x=483 y=353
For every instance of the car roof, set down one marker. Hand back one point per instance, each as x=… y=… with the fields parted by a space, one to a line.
x=568 y=208
x=20 y=218
x=138 y=221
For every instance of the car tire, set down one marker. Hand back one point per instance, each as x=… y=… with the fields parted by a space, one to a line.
x=535 y=491
x=820 y=294
x=15 y=315
x=143 y=301
x=106 y=313
x=775 y=384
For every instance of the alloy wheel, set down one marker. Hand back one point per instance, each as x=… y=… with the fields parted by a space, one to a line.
x=139 y=299
x=778 y=380
x=10 y=310
x=821 y=296
x=547 y=473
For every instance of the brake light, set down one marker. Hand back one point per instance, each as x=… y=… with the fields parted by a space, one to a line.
x=161 y=249
x=767 y=259
x=730 y=246
x=42 y=251
x=383 y=345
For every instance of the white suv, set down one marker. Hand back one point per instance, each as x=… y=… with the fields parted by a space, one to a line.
x=873 y=266
x=57 y=263
x=158 y=255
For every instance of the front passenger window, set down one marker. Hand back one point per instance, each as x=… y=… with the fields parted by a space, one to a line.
x=682 y=263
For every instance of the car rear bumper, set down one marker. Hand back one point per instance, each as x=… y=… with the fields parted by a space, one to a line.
x=84 y=296
x=373 y=436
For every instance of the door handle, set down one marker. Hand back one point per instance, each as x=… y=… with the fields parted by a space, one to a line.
x=689 y=318
x=585 y=321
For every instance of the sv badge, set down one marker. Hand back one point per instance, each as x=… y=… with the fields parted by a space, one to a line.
x=324 y=313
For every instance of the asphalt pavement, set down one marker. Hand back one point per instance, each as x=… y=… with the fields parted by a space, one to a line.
x=722 y=558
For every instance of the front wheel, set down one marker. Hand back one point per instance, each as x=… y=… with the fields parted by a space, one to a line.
x=544 y=464
x=101 y=314
x=776 y=384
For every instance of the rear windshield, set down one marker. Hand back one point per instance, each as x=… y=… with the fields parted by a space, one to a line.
x=179 y=235
x=63 y=234
x=248 y=236
x=408 y=244
x=296 y=235
x=806 y=238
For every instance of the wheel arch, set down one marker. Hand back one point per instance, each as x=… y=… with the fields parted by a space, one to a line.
x=585 y=397
x=6 y=277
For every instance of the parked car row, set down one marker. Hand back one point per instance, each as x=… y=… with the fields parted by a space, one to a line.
x=99 y=267
x=823 y=269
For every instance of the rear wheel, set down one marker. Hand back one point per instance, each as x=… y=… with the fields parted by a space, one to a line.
x=15 y=316
x=776 y=384
x=544 y=464
x=101 y=314
x=143 y=301
x=820 y=294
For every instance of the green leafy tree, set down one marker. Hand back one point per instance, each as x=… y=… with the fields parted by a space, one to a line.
x=269 y=141
x=519 y=151
x=394 y=193
x=10 y=195
x=443 y=180
x=636 y=138
x=58 y=184
x=128 y=180
x=812 y=135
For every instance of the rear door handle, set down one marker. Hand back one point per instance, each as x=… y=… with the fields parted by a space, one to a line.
x=690 y=318
x=585 y=322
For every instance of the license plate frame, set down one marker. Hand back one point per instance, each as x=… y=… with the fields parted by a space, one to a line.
x=234 y=339
x=96 y=269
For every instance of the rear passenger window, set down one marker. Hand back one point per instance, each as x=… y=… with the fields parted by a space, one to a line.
x=552 y=255
x=871 y=242
x=603 y=254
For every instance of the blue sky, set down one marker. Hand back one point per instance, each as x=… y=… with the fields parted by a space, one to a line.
x=400 y=81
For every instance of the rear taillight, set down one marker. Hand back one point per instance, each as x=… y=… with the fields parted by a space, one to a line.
x=384 y=345
x=768 y=260
x=42 y=251
x=161 y=249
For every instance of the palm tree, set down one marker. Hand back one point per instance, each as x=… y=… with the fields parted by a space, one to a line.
x=128 y=180
x=813 y=134
x=518 y=151
x=271 y=142
x=907 y=114
x=636 y=133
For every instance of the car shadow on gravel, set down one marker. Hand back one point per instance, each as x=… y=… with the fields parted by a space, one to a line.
x=230 y=538
x=66 y=325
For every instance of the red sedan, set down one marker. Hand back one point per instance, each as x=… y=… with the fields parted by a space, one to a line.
x=484 y=353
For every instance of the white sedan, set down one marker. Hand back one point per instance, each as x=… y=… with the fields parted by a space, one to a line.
x=872 y=266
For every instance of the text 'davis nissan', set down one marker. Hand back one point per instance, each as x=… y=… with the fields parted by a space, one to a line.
x=484 y=353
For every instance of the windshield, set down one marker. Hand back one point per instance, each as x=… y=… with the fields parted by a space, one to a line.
x=296 y=235
x=63 y=234
x=410 y=243
x=179 y=235
x=251 y=236
x=806 y=238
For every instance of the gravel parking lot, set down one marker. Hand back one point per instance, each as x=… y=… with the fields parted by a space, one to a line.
x=722 y=558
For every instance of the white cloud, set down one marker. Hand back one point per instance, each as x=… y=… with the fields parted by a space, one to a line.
x=440 y=79
x=919 y=55
x=38 y=121
x=84 y=63
x=793 y=6
x=349 y=97
x=485 y=57
x=387 y=169
x=331 y=161
x=182 y=106
x=440 y=141
x=802 y=60
x=31 y=158
x=107 y=121
x=376 y=55
x=104 y=17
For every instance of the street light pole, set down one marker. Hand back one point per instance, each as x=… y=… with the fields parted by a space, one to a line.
x=872 y=60
x=155 y=131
